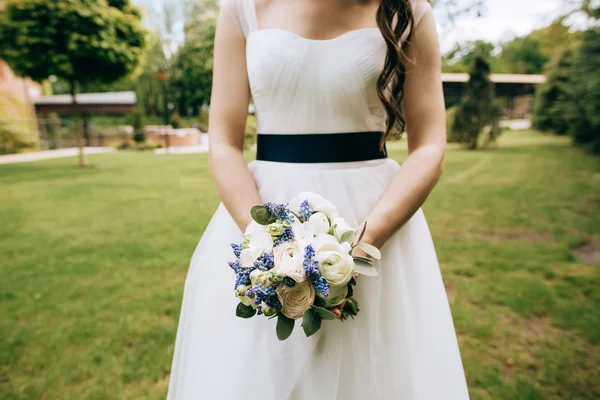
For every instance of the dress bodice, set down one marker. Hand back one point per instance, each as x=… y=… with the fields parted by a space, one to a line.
x=302 y=85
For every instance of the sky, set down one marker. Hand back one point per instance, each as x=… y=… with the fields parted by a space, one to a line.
x=501 y=20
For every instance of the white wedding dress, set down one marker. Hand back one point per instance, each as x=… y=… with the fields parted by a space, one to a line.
x=402 y=345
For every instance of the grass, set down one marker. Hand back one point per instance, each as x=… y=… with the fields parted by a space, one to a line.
x=93 y=265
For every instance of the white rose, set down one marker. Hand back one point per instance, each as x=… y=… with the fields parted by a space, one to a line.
x=337 y=295
x=316 y=202
x=240 y=292
x=248 y=256
x=335 y=262
x=296 y=300
x=256 y=235
x=319 y=223
x=289 y=259
x=340 y=226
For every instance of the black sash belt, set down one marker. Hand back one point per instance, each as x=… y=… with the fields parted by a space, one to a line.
x=319 y=147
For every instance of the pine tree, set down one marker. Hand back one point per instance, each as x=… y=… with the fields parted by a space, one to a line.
x=552 y=97
x=477 y=108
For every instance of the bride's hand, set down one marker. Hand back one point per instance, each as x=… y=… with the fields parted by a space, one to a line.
x=337 y=310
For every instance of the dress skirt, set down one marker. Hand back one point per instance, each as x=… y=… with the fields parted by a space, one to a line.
x=402 y=345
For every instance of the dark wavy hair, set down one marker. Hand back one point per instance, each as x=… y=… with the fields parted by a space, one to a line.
x=394 y=17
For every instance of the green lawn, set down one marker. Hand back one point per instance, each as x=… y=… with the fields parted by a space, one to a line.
x=93 y=264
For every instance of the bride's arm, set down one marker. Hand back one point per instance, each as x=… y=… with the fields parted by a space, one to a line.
x=227 y=122
x=424 y=110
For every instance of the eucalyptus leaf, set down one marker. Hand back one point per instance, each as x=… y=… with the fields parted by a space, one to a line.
x=244 y=311
x=260 y=214
x=320 y=302
x=324 y=313
x=348 y=237
x=285 y=326
x=364 y=268
x=362 y=233
x=363 y=259
x=370 y=250
x=311 y=322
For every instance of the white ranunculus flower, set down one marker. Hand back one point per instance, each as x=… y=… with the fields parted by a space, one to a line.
x=301 y=230
x=319 y=223
x=289 y=259
x=335 y=262
x=296 y=300
x=340 y=226
x=275 y=229
x=316 y=202
x=337 y=295
x=260 y=277
x=266 y=310
x=240 y=292
x=256 y=235
x=248 y=256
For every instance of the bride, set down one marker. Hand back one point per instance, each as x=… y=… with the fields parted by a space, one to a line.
x=329 y=79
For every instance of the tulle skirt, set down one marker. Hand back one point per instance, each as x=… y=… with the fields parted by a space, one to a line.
x=402 y=345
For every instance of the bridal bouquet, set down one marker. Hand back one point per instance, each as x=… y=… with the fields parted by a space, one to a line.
x=295 y=261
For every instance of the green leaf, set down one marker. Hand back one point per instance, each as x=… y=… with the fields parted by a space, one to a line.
x=324 y=313
x=244 y=311
x=260 y=214
x=364 y=267
x=285 y=326
x=362 y=233
x=348 y=237
x=311 y=322
x=351 y=288
x=370 y=250
x=320 y=302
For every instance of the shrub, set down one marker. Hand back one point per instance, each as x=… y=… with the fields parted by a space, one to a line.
x=138 y=128
x=13 y=140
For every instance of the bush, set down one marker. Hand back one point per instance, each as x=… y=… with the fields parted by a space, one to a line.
x=450 y=117
x=138 y=128
x=13 y=140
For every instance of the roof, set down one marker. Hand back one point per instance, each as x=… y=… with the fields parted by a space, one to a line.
x=497 y=78
x=126 y=98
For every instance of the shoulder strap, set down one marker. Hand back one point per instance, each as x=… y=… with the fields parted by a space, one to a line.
x=243 y=12
x=420 y=8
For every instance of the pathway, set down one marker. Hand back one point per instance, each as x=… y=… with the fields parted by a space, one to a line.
x=49 y=154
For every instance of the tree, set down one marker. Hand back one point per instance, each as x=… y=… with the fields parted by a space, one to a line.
x=79 y=41
x=585 y=104
x=523 y=55
x=462 y=56
x=553 y=96
x=569 y=102
x=477 y=108
x=193 y=62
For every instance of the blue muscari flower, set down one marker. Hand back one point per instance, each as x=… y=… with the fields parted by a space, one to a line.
x=313 y=273
x=289 y=281
x=267 y=295
x=281 y=211
x=235 y=266
x=304 y=212
x=265 y=262
x=243 y=277
x=286 y=236
x=237 y=249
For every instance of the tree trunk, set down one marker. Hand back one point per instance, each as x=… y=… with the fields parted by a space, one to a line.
x=76 y=113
